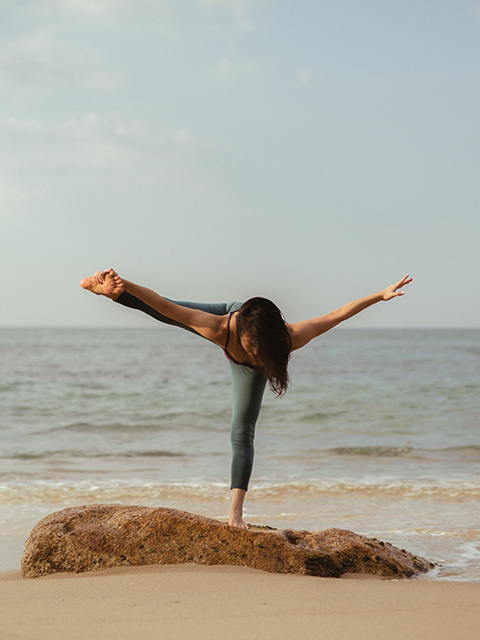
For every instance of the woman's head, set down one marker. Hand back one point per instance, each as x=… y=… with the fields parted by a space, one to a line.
x=263 y=333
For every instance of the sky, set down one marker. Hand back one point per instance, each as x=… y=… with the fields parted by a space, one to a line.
x=308 y=151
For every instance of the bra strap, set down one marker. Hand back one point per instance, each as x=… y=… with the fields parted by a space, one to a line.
x=228 y=329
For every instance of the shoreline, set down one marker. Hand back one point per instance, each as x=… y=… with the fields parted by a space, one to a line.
x=212 y=602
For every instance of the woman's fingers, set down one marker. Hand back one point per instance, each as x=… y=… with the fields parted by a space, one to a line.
x=100 y=275
x=401 y=283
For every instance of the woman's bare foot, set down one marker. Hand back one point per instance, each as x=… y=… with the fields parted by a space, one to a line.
x=237 y=521
x=104 y=283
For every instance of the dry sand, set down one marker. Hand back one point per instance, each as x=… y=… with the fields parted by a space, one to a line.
x=199 y=602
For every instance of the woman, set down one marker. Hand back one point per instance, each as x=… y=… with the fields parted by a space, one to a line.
x=255 y=338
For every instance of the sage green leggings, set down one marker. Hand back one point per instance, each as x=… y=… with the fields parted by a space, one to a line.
x=248 y=389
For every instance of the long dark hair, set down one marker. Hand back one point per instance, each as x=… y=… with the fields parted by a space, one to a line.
x=265 y=324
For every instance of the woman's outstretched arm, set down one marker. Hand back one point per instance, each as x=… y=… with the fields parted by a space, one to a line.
x=303 y=332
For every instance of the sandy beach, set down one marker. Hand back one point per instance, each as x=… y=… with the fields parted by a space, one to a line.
x=187 y=601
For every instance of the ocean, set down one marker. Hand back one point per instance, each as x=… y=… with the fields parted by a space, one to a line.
x=379 y=434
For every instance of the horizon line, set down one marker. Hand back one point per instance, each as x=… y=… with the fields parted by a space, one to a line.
x=341 y=328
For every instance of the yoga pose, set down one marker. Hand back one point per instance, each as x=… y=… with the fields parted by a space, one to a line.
x=255 y=338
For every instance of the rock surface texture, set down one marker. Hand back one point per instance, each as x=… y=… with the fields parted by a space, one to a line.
x=95 y=537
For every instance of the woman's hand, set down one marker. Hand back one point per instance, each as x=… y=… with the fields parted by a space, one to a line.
x=393 y=290
x=101 y=275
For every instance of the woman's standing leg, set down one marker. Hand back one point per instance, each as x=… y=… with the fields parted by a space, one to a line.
x=248 y=388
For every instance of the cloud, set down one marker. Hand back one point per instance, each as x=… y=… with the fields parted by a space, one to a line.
x=93 y=158
x=239 y=9
x=228 y=70
x=41 y=62
x=91 y=142
x=157 y=14
x=55 y=44
x=303 y=76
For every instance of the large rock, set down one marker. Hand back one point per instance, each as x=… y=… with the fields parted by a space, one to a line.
x=95 y=537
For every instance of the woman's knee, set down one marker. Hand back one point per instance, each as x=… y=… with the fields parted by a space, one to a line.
x=242 y=435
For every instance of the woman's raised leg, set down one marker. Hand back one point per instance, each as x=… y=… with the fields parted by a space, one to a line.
x=108 y=283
